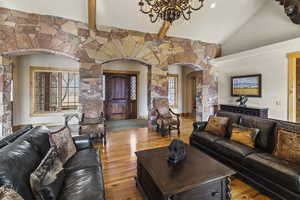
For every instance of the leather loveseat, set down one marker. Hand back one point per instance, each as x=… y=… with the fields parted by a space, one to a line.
x=277 y=178
x=22 y=152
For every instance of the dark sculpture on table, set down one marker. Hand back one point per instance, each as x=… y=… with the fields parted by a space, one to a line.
x=177 y=151
x=243 y=100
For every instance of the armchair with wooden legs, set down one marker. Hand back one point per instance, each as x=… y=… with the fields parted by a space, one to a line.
x=94 y=127
x=167 y=121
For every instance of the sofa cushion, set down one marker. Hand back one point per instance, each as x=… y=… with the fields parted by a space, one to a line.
x=39 y=138
x=205 y=138
x=244 y=135
x=7 y=193
x=62 y=139
x=232 y=149
x=287 y=146
x=83 y=184
x=18 y=160
x=217 y=125
x=280 y=171
x=46 y=181
x=234 y=118
x=266 y=134
x=83 y=159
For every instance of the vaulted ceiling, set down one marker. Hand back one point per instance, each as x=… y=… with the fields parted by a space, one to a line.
x=209 y=24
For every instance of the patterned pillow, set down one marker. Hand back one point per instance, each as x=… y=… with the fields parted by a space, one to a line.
x=244 y=135
x=7 y=193
x=47 y=179
x=287 y=146
x=217 y=125
x=64 y=143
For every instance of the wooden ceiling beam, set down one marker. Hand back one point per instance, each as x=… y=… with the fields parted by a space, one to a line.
x=92 y=13
x=164 y=29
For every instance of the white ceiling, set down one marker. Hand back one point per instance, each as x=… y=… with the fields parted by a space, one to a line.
x=209 y=24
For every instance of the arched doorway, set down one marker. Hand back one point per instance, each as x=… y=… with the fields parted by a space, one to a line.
x=126 y=93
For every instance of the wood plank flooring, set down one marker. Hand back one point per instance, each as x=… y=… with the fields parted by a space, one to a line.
x=119 y=162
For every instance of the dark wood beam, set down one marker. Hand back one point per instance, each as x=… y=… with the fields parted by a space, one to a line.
x=92 y=14
x=164 y=29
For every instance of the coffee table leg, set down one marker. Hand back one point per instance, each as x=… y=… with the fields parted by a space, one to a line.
x=228 y=188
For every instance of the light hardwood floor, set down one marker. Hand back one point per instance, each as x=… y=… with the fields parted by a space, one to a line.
x=119 y=162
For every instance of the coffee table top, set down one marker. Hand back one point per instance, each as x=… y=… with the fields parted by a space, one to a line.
x=197 y=169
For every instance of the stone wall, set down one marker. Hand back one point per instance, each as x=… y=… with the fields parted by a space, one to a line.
x=25 y=33
x=5 y=96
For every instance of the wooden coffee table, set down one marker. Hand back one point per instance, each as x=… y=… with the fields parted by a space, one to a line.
x=197 y=177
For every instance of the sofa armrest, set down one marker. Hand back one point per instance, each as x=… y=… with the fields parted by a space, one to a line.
x=82 y=142
x=199 y=126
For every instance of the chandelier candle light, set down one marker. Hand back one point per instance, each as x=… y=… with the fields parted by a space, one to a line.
x=169 y=10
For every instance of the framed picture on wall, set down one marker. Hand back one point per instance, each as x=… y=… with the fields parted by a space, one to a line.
x=249 y=85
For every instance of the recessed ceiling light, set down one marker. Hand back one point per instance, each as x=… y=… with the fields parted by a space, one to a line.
x=213 y=5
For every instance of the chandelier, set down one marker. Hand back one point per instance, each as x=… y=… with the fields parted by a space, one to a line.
x=169 y=10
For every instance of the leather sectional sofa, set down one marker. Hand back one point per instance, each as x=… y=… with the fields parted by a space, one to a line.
x=22 y=152
x=277 y=178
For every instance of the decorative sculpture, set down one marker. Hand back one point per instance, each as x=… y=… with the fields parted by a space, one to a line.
x=177 y=151
x=243 y=100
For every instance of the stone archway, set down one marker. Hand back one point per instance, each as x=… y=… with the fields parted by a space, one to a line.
x=25 y=33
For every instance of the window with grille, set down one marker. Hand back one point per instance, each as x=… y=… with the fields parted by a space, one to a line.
x=133 y=88
x=172 y=89
x=55 y=91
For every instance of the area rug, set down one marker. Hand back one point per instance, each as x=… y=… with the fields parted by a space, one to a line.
x=119 y=125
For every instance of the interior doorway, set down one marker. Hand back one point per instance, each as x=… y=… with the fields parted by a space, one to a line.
x=120 y=96
x=126 y=94
x=294 y=87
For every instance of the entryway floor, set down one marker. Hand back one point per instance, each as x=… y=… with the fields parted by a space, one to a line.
x=119 y=125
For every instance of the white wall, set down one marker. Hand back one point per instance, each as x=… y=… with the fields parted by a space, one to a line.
x=21 y=107
x=272 y=62
x=268 y=26
x=142 y=82
x=177 y=69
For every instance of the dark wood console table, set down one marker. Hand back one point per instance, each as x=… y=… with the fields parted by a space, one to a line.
x=253 y=111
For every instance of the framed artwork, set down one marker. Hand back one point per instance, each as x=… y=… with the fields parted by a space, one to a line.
x=249 y=85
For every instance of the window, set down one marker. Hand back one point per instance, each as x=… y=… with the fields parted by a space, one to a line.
x=54 y=90
x=173 y=89
x=133 y=88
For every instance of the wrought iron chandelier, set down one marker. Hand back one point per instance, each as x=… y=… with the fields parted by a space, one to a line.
x=169 y=10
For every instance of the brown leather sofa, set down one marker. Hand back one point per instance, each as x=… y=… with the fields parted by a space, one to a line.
x=21 y=153
x=277 y=178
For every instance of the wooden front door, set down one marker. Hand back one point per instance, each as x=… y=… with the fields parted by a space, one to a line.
x=120 y=102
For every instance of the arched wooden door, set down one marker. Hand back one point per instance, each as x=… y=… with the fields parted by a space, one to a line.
x=120 y=102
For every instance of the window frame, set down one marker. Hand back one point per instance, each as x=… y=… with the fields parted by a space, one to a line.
x=35 y=69
x=176 y=89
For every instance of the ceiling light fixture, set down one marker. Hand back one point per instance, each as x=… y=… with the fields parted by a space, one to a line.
x=169 y=10
x=213 y=5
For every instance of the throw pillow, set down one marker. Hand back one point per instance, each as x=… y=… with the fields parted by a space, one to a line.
x=47 y=180
x=64 y=143
x=244 y=135
x=7 y=193
x=287 y=146
x=217 y=125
